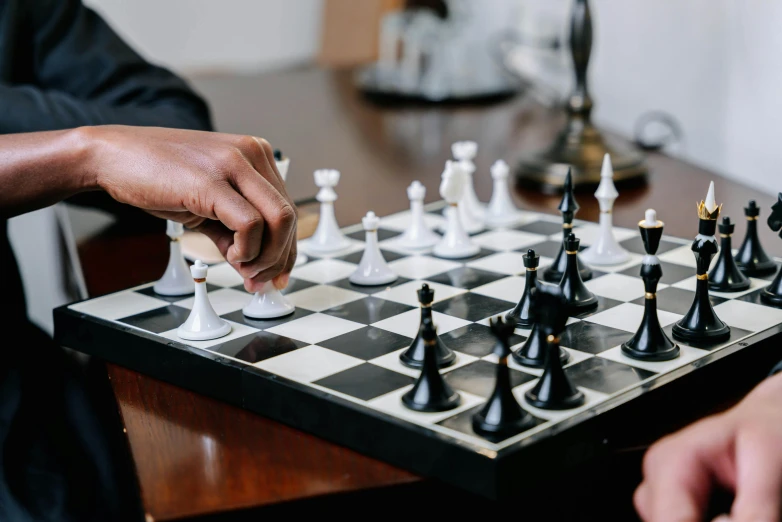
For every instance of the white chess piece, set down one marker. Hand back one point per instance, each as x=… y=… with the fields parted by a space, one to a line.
x=418 y=235
x=176 y=279
x=501 y=211
x=268 y=303
x=282 y=167
x=373 y=269
x=605 y=251
x=465 y=151
x=203 y=323
x=455 y=244
x=327 y=239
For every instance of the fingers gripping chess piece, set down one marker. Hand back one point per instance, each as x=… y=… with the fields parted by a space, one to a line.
x=282 y=163
x=501 y=211
x=751 y=258
x=726 y=275
x=373 y=269
x=203 y=323
x=772 y=294
x=455 y=243
x=327 y=239
x=176 y=279
x=606 y=251
x=418 y=235
x=464 y=152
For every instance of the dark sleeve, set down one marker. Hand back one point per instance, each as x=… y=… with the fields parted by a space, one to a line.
x=777 y=369
x=84 y=74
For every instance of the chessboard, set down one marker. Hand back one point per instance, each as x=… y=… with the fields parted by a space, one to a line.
x=332 y=368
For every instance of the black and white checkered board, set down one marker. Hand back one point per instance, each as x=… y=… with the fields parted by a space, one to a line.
x=333 y=366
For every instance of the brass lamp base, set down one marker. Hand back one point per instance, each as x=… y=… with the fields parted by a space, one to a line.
x=581 y=148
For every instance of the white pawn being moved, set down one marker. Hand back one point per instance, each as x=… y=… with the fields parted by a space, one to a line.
x=605 y=251
x=418 y=235
x=465 y=151
x=176 y=279
x=268 y=303
x=283 y=163
x=373 y=269
x=327 y=239
x=203 y=323
x=455 y=243
x=501 y=211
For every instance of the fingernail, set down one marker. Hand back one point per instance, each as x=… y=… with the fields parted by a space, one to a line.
x=722 y=518
x=281 y=281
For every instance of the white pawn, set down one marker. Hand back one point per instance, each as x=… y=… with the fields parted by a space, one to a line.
x=283 y=163
x=455 y=244
x=465 y=151
x=176 y=279
x=418 y=235
x=203 y=323
x=268 y=303
x=605 y=251
x=372 y=270
x=501 y=211
x=328 y=239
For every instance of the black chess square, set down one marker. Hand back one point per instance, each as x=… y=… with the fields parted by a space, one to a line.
x=159 y=320
x=754 y=297
x=466 y=277
x=475 y=339
x=479 y=377
x=258 y=347
x=544 y=248
x=388 y=255
x=735 y=335
x=368 y=310
x=172 y=298
x=672 y=273
x=462 y=422
x=592 y=337
x=769 y=277
x=264 y=324
x=472 y=307
x=545 y=228
x=636 y=245
x=382 y=235
x=677 y=300
x=603 y=304
x=605 y=376
x=367 y=343
x=365 y=381
x=346 y=284
x=484 y=252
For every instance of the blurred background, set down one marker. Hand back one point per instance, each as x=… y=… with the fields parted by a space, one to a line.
x=701 y=70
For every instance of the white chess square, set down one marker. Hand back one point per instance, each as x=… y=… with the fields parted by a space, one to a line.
x=224 y=301
x=635 y=260
x=589 y=232
x=508 y=263
x=507 y=239
x=691 y=282
x=421 y=267
x=119 y=305
x=680 y=256
x=315 y=328
x=592 y=398
x=618 y=286
x=390 y=361
x=407 y=323
x=627 y=317
x=407 y=293
x=392 y=403
x=401 y=221
x=687 y=355
x=576 y=357
x=353 y=246
x=308 y=364
x=323 y=297
x=237 y=330
x=392 y=245
x=748 y=316
x=508 y=289
x=223 y=275
x=324 y=271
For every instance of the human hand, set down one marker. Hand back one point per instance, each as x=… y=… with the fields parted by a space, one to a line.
x=740 y=450
x=226 y=186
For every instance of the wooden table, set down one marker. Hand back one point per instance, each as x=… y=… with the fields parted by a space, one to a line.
x=194 y=455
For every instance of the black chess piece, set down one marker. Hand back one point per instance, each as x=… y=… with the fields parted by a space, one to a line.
x=701 y=323
x=520 y=316
x=277 y=155
x=414 y=355
x=726 y=276
x=568 y=208
x=772 y=294
x=502 y=415
x=650 y=342
x=554 y=390
x=751 y=258
x=430 y=392
x=579 y=297
x=532 y=353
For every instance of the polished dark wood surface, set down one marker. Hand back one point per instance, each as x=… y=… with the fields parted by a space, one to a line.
x=194 y=455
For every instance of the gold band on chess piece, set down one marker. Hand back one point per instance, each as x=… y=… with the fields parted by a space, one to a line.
x=199 y=279
x=552 y=339
x=702 y=277
x=752 y=218
x=650 y=295
x=567 y=225
x=532 y=269
x=427 y=305
x=571 y=252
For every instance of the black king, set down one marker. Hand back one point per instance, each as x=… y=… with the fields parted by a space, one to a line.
x=701 y=324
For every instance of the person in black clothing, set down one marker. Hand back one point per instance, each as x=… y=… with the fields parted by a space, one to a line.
x=70 y=90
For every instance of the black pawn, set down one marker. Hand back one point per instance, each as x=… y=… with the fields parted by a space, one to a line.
x=502 y=415
x=553 y=391
x=277 y=155
x=430 y=393
x=578 y=296
x=520 y=315
x=533 y=352
x=568 y=208
x=414 y=355
x=772 y=294
x=726 y=276
x=751 y=258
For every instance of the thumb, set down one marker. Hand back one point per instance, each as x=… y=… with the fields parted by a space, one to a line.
x=758 y=477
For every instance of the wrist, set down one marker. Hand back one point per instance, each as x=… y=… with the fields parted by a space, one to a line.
x=82 y=143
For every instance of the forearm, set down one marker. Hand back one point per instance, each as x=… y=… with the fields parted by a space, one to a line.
x=41 y=168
